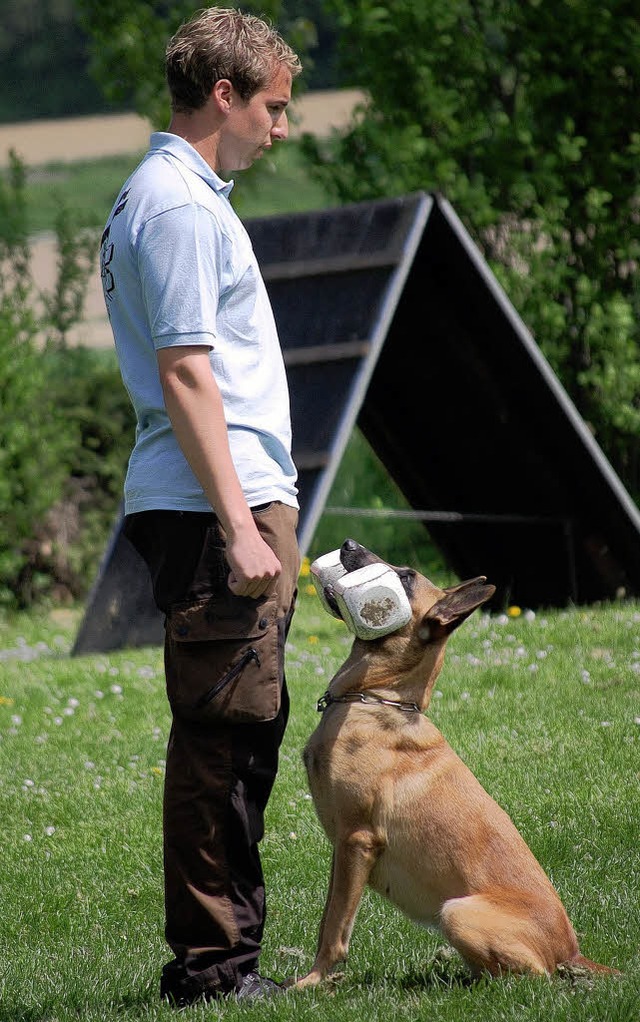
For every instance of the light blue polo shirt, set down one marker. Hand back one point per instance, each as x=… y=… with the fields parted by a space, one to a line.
x=178 y=268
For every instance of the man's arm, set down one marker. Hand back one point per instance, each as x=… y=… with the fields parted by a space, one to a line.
x=194 y=405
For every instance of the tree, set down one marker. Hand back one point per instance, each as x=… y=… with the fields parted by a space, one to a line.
x=524 y=114
x=43 y=60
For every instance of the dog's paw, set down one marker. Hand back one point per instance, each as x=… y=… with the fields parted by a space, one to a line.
x=312 y=979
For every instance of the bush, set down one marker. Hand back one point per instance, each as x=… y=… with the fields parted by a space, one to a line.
x=66 y=425
x=91 y=396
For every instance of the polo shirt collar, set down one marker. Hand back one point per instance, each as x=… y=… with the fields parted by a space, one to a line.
x=182 y=150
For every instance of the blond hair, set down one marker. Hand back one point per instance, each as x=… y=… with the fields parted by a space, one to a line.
x=222 y=42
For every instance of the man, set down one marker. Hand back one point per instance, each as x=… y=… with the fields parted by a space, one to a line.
x=210 y=493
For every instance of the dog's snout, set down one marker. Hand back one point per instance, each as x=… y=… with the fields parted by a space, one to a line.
x=350 y=546
x=353 y=555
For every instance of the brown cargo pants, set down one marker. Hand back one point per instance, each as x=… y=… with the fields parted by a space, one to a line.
x=224 y=667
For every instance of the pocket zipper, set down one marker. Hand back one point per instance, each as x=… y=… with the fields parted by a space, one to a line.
x=250 y=654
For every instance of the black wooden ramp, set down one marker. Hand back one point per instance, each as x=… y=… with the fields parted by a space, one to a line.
x=390 y=318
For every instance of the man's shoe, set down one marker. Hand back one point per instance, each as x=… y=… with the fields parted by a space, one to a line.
x=255 y=987
x=182 y=990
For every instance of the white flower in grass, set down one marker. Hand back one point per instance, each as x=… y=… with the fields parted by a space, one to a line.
x=16 y=719
x=73 y=702
x=605 y=723
x=98 y=694
x=27 y=837
x=49 y=831
x=116 y=690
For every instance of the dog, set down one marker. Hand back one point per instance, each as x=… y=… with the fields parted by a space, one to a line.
x=407 y=817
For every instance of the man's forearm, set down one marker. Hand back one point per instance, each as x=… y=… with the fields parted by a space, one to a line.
x=194 y=405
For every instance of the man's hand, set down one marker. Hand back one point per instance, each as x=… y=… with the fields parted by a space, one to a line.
x=253 y=564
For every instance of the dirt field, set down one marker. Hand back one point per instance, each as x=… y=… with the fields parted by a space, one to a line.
x=82 y=138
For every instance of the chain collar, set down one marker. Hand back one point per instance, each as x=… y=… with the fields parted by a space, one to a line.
x=364 y=697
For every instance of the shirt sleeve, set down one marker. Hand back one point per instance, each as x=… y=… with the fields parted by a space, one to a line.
x=181 y=258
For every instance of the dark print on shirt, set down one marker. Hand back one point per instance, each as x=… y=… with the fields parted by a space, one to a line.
x=106 y=253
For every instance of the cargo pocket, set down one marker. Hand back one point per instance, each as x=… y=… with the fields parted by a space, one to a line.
x=221 y=660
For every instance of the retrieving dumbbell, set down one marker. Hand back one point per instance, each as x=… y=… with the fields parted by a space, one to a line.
x=326 y=570
x=372 y=601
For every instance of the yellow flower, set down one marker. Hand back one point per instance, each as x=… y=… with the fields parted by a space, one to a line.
x=313 y=639
x=305 y=568
x=6 y=701
x=514 y=612
x=310 y=590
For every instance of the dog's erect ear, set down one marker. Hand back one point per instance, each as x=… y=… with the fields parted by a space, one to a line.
x=455 y=606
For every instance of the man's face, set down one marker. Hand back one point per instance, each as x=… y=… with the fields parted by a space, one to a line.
x=254 y=125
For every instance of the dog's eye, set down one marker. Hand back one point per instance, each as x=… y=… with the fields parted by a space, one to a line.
x=407 y=576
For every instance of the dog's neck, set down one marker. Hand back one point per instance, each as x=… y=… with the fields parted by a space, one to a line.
x=365 y=671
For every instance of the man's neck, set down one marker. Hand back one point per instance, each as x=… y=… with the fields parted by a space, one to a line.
x=196 y=129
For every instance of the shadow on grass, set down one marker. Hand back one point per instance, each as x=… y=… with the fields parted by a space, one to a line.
x=445 y=969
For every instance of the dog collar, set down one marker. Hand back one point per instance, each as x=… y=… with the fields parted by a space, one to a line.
x=364 y=697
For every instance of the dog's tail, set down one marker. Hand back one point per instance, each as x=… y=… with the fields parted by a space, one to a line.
x=579 y=963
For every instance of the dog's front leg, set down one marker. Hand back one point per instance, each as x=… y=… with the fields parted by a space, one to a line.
x=353 y=859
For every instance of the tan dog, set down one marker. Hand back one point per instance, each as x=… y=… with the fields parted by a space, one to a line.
x=407 y=817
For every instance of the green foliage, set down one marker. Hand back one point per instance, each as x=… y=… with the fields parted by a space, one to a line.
x=93 y=401
x=76 y=247
x=524 y=116
x=65 y=428
x=43 y=62
x=35 y=441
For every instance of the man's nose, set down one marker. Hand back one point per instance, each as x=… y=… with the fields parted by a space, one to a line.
x=280 y=130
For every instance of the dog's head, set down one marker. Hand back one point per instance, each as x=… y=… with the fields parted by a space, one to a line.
x=376 y=599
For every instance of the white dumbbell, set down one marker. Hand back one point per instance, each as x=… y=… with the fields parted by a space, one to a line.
x=372 y=601
x=326 y=570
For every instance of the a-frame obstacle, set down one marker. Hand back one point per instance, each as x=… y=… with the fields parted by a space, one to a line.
x=390 y=318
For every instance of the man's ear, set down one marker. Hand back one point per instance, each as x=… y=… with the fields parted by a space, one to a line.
x=222 y=94
x=454 y=607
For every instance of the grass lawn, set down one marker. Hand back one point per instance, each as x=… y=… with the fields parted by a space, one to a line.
x=544 y=708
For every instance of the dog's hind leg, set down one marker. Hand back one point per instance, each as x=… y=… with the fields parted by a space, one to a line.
x=495 y=938
x=353 y=860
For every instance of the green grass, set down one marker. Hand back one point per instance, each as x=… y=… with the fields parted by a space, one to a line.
x=545 y=711
x=278 y=184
